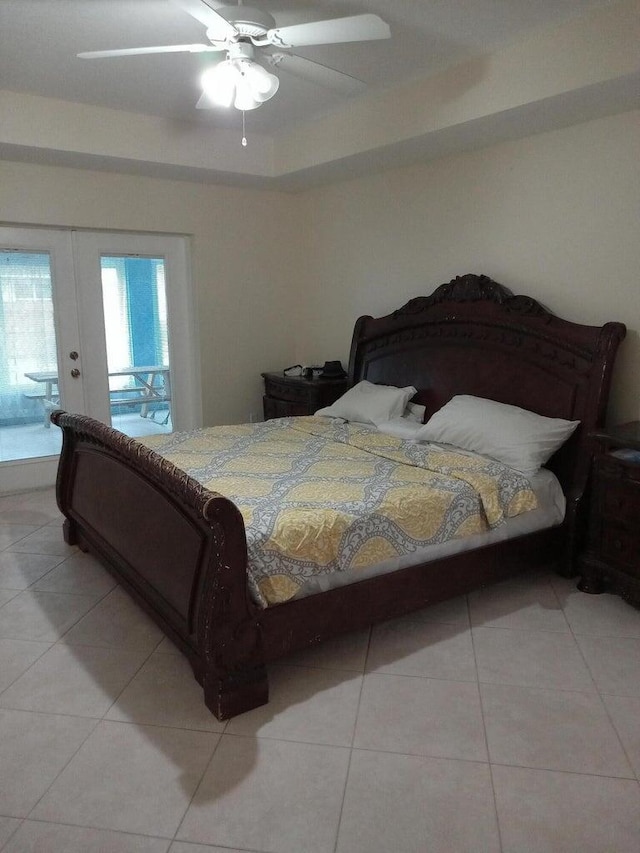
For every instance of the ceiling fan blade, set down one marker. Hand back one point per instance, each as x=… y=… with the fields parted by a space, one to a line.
x=139 y=51
x=317 y=73
x=334 y=31
x=205 y=12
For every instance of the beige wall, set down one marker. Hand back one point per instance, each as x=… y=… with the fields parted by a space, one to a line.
x=555 y=216
x=243 y=261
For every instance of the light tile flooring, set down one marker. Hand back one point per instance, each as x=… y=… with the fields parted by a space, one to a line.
x=505 y=721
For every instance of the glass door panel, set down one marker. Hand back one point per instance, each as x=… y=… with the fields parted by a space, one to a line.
x=28 y=356
x=138 y=331
x=135 y=322
x=38 y=334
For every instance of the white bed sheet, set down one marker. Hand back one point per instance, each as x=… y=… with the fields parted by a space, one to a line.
x=549 y=513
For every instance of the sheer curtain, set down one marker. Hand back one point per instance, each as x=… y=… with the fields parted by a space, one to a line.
x=27 y=333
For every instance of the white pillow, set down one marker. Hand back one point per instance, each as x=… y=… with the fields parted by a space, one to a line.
x=513 y=436
x=407 y=426
x=414 y=412
x=403 y=428
x=367 y=403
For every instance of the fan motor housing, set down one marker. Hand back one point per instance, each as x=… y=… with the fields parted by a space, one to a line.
x=247 y=20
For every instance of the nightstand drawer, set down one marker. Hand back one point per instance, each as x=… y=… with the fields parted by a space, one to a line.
x=288 y=396
x=274 y=408
x=619 y=469
x=619 y=501
x=287 y=389
x=621 y=547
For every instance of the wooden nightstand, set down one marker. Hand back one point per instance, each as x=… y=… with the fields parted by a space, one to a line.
x=285 y=396
x=612 y=559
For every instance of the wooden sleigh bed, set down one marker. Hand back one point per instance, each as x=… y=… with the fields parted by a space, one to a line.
x=180 y=549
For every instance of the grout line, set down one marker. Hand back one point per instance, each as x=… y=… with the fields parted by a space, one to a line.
x=199 y=784
x=46 y=572
x=32 y=590
x=631 y=779
x=600 y=694
x=31 y=665
x=124 y=832
x=353 y=736
x=476 y=762
x=135 y=674
x=375 y=674
x=486 y=738
x=260 y=737
x=66 y=763
x=346 y=782
x=20 y=820
x=520 y=630
x=138 y=724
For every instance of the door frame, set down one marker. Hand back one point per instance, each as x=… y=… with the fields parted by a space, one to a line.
x=78 y=316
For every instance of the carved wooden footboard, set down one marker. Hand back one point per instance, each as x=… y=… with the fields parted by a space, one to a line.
x=178 y=548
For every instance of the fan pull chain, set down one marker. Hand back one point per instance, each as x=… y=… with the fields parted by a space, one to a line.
x=244 y=138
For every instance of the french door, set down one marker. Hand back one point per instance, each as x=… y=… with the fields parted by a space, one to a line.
x=92 y=322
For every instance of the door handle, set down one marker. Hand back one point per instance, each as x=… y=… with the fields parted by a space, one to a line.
x=75 y=373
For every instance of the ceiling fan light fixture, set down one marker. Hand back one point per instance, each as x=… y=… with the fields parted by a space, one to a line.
x=263 y=85
x=244 y=99
x=219 y=83
x=239 y=82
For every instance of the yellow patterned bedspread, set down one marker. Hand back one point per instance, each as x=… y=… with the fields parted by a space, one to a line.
x=321 y=496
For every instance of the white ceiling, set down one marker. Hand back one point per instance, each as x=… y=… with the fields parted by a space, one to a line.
x=455 y=74
x=39 y=40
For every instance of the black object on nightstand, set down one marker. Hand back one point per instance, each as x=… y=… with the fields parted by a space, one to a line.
x=612 y=559
x=285 y=396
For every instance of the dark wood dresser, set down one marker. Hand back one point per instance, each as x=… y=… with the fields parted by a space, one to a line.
x=285 y=396
x=612 y=559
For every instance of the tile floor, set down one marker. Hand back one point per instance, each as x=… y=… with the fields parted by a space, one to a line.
x=505 y=721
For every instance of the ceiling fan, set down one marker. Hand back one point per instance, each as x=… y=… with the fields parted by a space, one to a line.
x=241 y=32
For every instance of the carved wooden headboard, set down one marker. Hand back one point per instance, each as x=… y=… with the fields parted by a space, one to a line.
x=473 y=336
